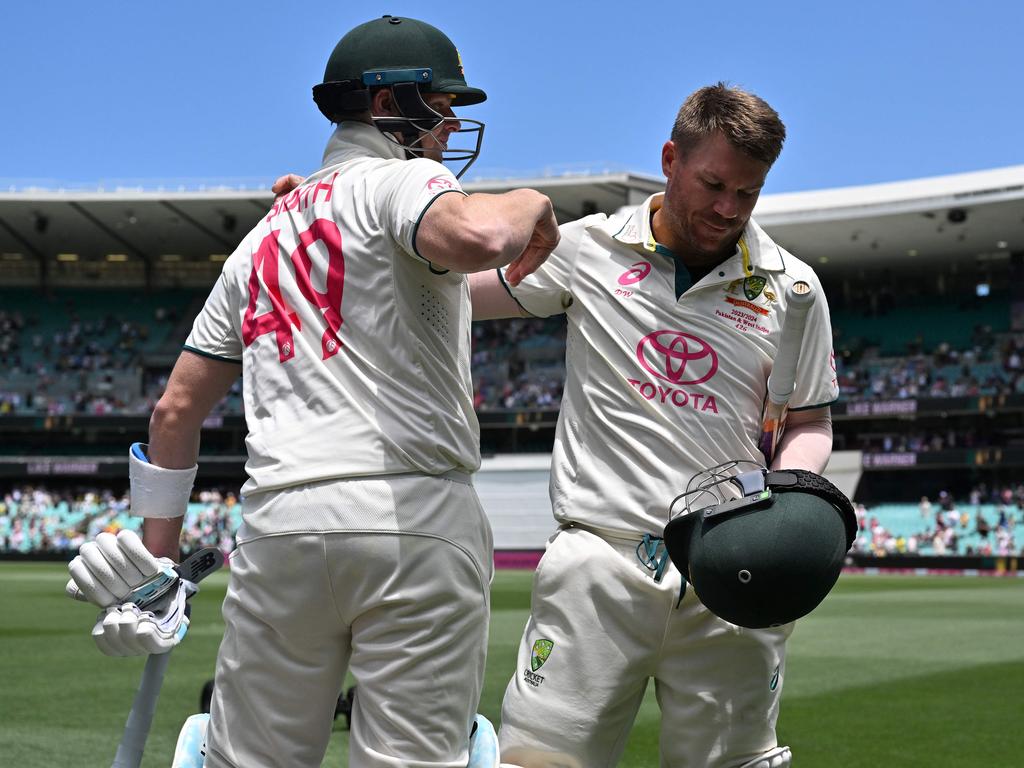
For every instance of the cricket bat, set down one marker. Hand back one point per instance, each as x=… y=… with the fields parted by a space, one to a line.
x=136 y=730
x=782 y=380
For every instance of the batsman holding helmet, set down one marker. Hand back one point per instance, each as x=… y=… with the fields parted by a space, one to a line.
x=675 y=313
x=346 y=311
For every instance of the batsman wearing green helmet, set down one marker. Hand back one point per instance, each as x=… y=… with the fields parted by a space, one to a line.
x=363 y=545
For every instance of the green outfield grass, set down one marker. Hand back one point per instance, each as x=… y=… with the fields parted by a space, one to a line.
x=889 y=671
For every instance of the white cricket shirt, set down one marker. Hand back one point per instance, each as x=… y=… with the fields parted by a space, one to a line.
x=664 y=379
x=354 y=349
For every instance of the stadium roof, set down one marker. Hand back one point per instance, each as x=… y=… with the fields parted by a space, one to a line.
x=964 y=217
x=968 y=217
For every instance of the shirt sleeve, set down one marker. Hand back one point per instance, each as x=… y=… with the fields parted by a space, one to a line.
x=548 y=290
x=216 y=331
x=816 y=382
x=405 y=193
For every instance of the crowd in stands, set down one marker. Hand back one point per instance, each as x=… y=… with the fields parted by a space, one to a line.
x=36 y=519
x=60 y=360
x=70 y=359
x=76 y=358
x=912 y=442
x=990 y=366
x=983 y=524
x=518 y=364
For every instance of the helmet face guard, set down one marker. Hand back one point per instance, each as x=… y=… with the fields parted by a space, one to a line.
x=768 y=549
x=410 y=58
x=418 y=120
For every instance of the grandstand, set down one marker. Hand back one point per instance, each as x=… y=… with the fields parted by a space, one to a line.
x=925 y=280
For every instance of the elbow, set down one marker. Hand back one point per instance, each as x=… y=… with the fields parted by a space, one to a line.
x=172 y=414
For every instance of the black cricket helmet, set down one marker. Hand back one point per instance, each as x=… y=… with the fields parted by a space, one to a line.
x=411 y=58
x=771 y=555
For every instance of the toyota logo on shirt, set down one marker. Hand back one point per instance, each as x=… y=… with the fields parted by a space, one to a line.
x=677 y=357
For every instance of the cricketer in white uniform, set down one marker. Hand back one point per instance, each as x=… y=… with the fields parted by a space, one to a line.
x=665 y=377
x=363 y=545
x=352 y=429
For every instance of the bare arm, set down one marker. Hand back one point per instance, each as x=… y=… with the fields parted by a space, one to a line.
x=807 y=441
x=197 y=384
x=491 y=300
x=481 y=231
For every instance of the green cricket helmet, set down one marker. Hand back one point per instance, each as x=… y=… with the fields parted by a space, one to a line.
x=770 y=556
x=409 y=57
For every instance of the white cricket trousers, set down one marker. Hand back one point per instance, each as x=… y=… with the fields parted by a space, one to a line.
x=600 y=628
x=407 y=612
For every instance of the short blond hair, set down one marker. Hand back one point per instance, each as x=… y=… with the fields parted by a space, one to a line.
x=747 y=121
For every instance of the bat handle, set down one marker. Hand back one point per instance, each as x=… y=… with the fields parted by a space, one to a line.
x=136 y=730
x=782 y=380
x=799 y=299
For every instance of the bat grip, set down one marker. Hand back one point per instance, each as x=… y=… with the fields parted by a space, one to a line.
x=136 y=730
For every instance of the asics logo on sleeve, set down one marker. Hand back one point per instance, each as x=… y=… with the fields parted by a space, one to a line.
x=439 y=183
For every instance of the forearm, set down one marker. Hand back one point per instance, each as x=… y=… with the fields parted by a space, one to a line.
x=513 y=217
x=195 y=386
x=482 y=231
x=806 y=443
x=491 y=300
x=171 y=446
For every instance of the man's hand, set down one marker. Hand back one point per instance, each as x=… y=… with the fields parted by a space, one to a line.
x=285 y=184
x=127 y=630
x=108 y=569
x=542 y=242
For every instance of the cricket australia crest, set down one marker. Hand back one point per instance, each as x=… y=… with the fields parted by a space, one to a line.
x=541 y=651
x=752 y=286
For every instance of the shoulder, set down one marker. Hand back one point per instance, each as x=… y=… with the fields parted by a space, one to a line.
x=575 y=233
x=798 y=269
x=791 y=265
x=420 y=170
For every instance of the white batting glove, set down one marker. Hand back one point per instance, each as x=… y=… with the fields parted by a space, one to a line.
x=108 y=569
x=125 y=630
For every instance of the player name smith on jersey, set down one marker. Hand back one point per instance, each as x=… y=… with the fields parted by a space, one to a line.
x=333 y=315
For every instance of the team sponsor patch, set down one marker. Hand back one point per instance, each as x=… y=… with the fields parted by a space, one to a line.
x=680 y=359
x=677 y=357
x=440 y=182
x=774 y=682
x=676 y=396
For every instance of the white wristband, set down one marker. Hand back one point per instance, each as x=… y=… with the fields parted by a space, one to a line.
x=155 y=491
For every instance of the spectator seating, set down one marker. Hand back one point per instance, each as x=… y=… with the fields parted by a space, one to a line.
x=920 y=325
x=901 y=528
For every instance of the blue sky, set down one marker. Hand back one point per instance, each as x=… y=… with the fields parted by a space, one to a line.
x=220 y=90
